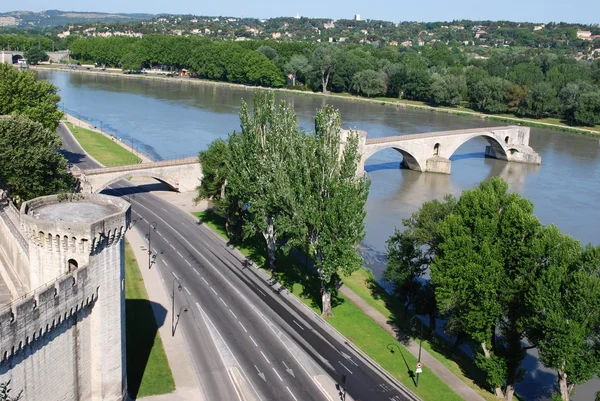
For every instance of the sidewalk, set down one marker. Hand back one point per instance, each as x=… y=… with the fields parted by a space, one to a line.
x=460 y=387
x=187 y=387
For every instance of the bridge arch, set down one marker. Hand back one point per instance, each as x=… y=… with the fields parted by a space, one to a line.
x=408 y=158
x=499 y=147
x=172 y=184
x=16 y=58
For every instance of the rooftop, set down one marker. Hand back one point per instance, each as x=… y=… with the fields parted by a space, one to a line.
x=86 y=211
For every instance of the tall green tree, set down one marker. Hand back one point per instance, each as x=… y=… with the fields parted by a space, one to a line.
x=564 y=309
x=410 y=254
x=334 y=203
x=258 y=177
x=31 y=164
x=369 y=82
x=22 y=93
x=488 y=248
x=298 y=66
x=34 y=55
x=324 y=60
x=541 y=101
x=491 y=95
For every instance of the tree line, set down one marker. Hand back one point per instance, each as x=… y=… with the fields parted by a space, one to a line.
x=29 y=144
x=294 y=189
x=503 y=282
x=536 y=86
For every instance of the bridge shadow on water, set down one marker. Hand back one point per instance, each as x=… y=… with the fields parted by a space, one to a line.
x=463 y=156
x=395 y=165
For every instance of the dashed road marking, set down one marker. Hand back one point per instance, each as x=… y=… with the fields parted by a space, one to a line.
x=264 y=356
x=196 y=271
x=233 y=313
x=243 y=327
x=213 y=290
x=175 y=275
x=254 y=342
x=165 y=262
x=186 y=290
x=275 y=370
x=204 y=281
x=340 y=362
x=298 y=324
x=292 y=394
x=186 y=261
x=223 y=302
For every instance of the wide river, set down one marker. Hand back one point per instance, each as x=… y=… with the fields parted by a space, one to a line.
x=170 y=118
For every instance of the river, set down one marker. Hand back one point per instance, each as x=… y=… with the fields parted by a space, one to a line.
x=173 y=118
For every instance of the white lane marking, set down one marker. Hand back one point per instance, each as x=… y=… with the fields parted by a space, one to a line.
x=186 y=261
x=275 y=370
x=354 y=363
x=292 y=394
x=158 y=232
x=196 y=271
x=242 y=326
x=223 y=302
x=264 y=356
x=261 y=374
x=213 y=290
x=229 y=356
x=172 y=246
x=167 y=241
x=298 y=324
x=165 y=262
x=233 y=313
x=254 y=342
x=186 y=290
x=268 y=322
x=163 y=208
x=205 y=281
x=179 y=253
x=287 y=369
x=261 y=293
x=340 y=362
x=175 y=275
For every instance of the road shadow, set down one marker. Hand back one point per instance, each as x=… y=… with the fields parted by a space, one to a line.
x=143 y=318
x=72 y=157
x=294 y=271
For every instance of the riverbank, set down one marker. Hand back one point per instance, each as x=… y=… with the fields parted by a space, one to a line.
x=399 y=103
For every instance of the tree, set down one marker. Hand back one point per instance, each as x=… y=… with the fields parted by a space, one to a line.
x=297 y=66
x=31 y=164
x=21 y=93
x=490 y=95
x=447 y=90
x=258 y=169
x=369 y=82
x=333 y=204
x=131 y=62
x=473 y=75
x=324 y=60
x=417 y=83
x=540 y=101
x=214 y=162
x=410 y=253
x=587 y=110
x=34 y=55
x=268 y=51
x=564 y=310
x=488 y=248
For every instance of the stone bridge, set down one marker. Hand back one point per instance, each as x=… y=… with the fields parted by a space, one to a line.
x=12 y=56
x=182 y=175
x=431 y=152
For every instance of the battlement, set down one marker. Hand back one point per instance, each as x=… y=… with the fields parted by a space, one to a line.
x=31 y=317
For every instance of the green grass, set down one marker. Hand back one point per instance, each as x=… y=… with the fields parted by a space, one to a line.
x=148 y=371
x=367 y=335
x=103 y=149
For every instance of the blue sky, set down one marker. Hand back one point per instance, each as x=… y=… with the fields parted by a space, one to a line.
x=581 y=11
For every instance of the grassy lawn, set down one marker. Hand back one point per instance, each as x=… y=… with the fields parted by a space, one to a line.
x=103 y=149
x=348 y=319
x=148 y=371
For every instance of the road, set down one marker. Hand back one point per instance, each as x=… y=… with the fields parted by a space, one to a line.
x=248 y=337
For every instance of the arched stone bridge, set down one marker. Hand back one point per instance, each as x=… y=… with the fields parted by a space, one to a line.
x=431 y=152
x=182 y=175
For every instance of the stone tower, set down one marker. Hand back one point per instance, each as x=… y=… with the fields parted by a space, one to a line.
x=65 y=340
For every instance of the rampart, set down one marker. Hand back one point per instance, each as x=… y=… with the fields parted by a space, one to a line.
x=14 y=250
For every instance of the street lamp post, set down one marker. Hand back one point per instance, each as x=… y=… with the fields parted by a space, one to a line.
x=420 y=343
x=151 y=227
x=173 y=304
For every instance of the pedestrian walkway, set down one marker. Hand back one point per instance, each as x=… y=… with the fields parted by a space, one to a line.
x=187 y=387
x=459 y=387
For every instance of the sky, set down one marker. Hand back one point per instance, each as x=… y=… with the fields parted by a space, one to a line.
x=576 y=11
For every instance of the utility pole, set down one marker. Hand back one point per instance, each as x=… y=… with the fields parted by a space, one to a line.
x=151 y=227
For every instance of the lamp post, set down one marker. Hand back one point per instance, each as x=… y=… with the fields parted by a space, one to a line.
x=173 y=304
x=420 y=343
x=151 y=227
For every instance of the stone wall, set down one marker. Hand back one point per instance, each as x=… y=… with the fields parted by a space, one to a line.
x=45 y=340
x=14 y=250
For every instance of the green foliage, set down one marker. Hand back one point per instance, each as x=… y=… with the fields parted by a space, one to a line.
x=131 y=62
x=5 y=392
x=587 y=111
x=447 y=90
x=541 y=101
x=299 y=67
x=369 y=82
x=21 y=93
x=34 y=55
x=31 y=165
x=214 y=162
x=490 y=95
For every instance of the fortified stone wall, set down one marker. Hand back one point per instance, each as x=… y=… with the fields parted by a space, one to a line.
x=45 y=340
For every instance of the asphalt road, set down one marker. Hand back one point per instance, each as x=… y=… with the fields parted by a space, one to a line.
x=248 y=338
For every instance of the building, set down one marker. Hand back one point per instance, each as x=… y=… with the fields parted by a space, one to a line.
x=357 y=17
x=585 y=35
x=62 y=326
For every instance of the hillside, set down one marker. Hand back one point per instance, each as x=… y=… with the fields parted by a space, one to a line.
x=51 y=18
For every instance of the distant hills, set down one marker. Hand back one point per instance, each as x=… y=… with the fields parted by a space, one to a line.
x=51 y=18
